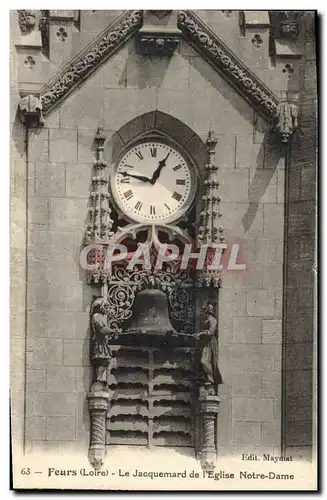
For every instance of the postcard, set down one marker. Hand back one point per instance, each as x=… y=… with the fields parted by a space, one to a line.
x=163 y=249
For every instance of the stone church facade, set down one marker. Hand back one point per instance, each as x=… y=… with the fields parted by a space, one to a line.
x=237 y=87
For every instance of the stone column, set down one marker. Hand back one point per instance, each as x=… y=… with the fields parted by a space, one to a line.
x=98 y=405
x=209 y=408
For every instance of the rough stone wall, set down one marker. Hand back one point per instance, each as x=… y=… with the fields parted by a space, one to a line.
x=59 y=170
x=299 y=378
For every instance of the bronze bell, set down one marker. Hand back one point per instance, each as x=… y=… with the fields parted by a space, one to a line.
x=150 y=314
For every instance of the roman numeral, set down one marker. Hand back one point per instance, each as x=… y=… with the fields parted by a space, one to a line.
x=167 y=206
x=152 y=210
x=177 y=167
x=129 y=166
x=153 y=152
x=125 y=180
x=177 y=196
x=139 y=155
x=138 y=205
x=180 y=182
x=128 y=194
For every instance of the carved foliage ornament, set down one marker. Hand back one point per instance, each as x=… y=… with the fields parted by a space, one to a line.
x=26 y=20
x=150 y=44
x=286 y=121
x=30 y=111
x=89 y=59
x=223 y=60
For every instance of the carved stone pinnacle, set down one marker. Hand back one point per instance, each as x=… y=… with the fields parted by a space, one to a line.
x=212 y=140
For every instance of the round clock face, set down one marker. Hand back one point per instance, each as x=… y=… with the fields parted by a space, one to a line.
x=153 y=183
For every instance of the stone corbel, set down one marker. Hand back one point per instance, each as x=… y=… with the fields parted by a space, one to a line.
x=157 y=40
x=160 y=13
x=286 y=121
x=30 y=111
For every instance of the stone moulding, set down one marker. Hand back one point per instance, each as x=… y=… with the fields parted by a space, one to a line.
x=221 y=58
x=251 y=88
x=157 y=41
x=88 y=60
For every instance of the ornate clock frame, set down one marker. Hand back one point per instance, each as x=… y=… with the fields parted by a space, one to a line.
x=188 y=292
x=156 y=135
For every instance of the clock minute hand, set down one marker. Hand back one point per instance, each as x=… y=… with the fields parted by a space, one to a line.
x=157 y=172
x=139 y=177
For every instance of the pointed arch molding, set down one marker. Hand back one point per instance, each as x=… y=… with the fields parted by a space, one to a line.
x=88 y=60
x=253 y=90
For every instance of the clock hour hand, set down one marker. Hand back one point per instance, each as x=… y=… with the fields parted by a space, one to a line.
x=139 y=177
x=157 y=172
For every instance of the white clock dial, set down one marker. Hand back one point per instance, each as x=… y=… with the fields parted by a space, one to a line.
x=153 y=183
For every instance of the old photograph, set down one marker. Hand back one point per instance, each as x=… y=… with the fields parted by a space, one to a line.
x=163 y=249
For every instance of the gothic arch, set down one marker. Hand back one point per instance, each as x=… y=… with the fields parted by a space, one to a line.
x=165 y=124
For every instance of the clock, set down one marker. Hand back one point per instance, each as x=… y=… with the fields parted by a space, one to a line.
x=154 y=182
